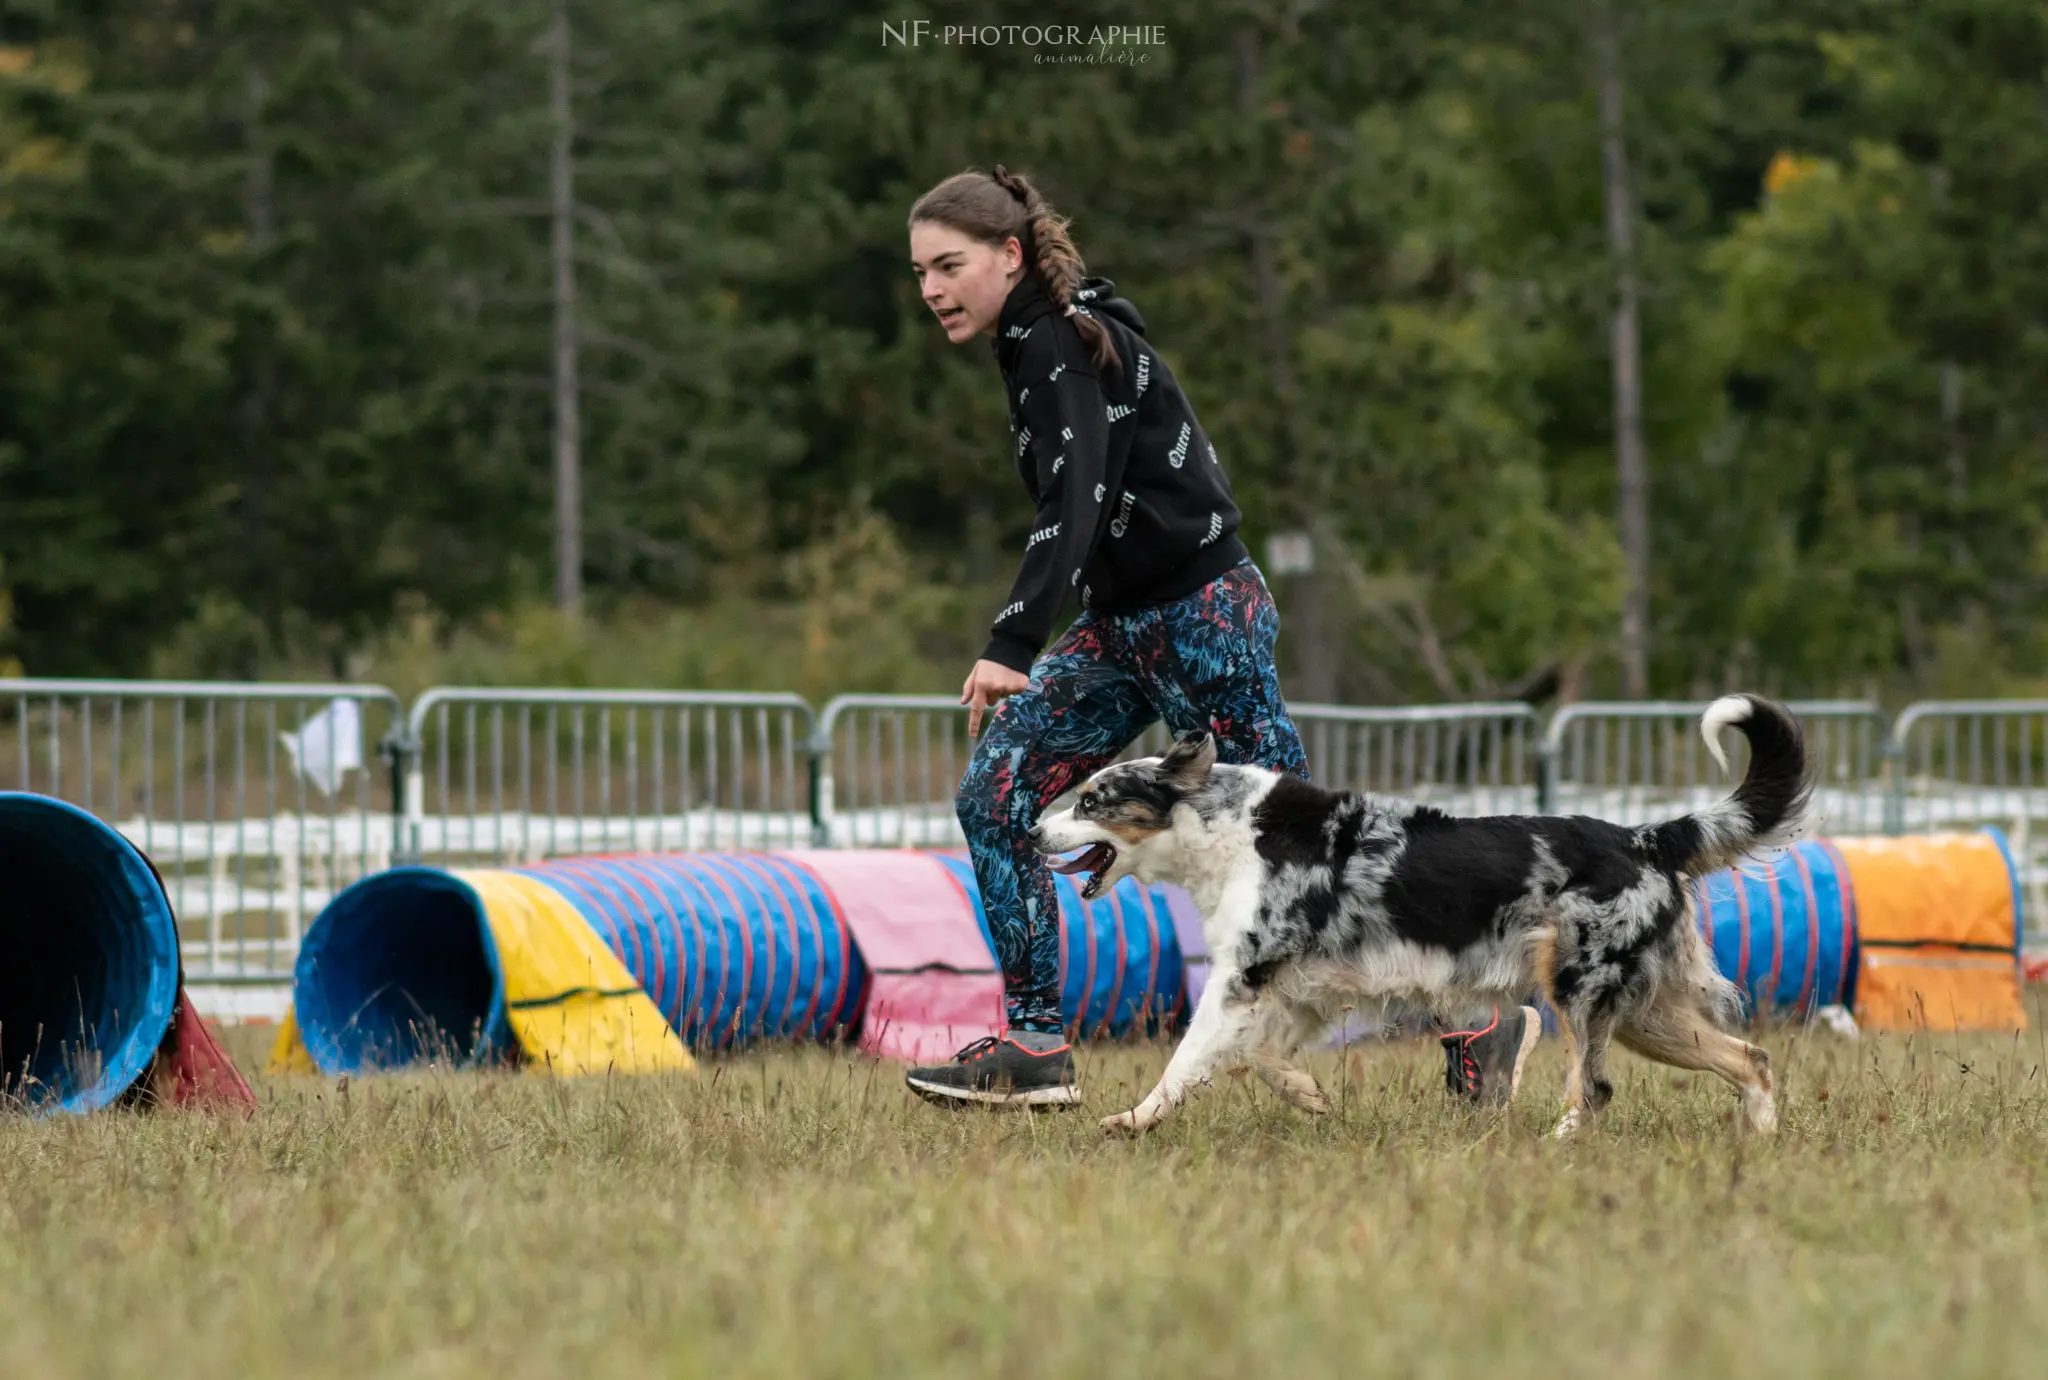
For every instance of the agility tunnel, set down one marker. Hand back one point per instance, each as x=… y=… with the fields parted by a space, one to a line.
x=92 y=1009
x=1783 y=931
x=1121 y=967
x=629 y=962
x=1914 y=932
x=1938 y=924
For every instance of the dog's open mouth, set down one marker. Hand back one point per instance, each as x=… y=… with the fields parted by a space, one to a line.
x=1095 y=862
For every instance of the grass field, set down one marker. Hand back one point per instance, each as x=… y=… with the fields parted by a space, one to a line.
x=796 y=1213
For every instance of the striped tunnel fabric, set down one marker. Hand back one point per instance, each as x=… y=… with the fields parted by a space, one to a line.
x=1783 y=931
x=419 y=963
x=1121 y=964
x=731 y=947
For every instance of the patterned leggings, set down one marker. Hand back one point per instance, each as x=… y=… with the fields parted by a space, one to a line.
x=1201 y=662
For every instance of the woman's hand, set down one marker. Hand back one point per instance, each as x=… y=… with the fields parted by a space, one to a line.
x=988 y=682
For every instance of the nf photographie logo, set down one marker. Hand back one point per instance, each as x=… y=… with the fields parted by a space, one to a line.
x=1047 y=43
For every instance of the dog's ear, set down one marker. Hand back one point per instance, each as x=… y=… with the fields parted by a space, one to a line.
x=1189 y=760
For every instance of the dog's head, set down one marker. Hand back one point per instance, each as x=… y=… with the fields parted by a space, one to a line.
x=1124 y=813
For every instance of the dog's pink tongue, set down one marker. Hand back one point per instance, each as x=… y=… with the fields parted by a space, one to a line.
x=1085 y=862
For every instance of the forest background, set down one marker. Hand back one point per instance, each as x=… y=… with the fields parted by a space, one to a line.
x=1598 y=348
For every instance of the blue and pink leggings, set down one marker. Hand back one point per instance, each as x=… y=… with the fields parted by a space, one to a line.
x=1203 y=661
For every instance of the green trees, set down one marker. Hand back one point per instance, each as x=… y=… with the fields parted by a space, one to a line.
x=277 y=288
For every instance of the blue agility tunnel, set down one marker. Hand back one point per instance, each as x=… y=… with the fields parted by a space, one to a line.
x=1783 y=931
x=400 y=968
x=731 y=947
x=88 y=957
x=403 y=966
x=416 y=963
x=1121 y=958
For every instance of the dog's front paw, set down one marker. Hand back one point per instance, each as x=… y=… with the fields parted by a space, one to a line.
x=1304 y=1093
x=1312 y=1100
x=1124 y=1124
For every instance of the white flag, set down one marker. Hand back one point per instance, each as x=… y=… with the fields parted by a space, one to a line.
x=329 y=747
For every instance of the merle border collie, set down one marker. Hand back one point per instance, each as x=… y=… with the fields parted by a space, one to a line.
x=1312 y=900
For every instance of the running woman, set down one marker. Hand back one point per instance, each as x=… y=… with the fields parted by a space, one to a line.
x=1136 y=523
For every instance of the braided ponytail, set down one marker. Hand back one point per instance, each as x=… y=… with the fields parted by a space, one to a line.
x=993 y=207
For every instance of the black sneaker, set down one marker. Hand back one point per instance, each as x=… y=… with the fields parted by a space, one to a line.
x=1486 y=1064
x=998 y=1071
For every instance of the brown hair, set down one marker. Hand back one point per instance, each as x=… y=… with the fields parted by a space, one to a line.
x=991 y=207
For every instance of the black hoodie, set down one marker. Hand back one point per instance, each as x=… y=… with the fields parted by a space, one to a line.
x=1133 y=506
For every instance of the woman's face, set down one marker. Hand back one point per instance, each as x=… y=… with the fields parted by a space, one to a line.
x=964 y=281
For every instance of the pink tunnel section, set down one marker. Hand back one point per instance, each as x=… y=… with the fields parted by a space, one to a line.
x=932 y=982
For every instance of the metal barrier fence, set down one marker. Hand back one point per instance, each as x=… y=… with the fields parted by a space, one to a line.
x=885 y=769
x=1959 y=764
x=511 y=776
x=1970 y=762
x=1468 y=759
x=1641 y=762
x=888 y=766
x=256 y=802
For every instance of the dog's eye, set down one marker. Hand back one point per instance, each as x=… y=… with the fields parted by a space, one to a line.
x=1086 y=805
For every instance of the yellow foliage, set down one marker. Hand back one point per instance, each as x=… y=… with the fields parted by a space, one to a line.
x=39 y=156
x=57 y=66
x=1786 y=169
x=857 y=599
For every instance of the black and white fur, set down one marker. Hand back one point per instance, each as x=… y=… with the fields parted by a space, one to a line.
x=1312 y=900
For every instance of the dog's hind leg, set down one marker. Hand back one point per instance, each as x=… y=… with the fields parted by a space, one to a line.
x=1217 y=1037
x=1588 y=1024
x=1678 y=1029
x=1279 y=1038
x=1573 y=1076
x=1570 y=1027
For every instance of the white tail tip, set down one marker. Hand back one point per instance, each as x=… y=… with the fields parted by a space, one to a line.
x=1725 y=712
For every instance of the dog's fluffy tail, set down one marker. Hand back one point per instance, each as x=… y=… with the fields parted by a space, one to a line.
x=1767 y=811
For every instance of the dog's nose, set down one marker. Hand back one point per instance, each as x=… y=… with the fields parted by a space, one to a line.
x=1036 y=837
